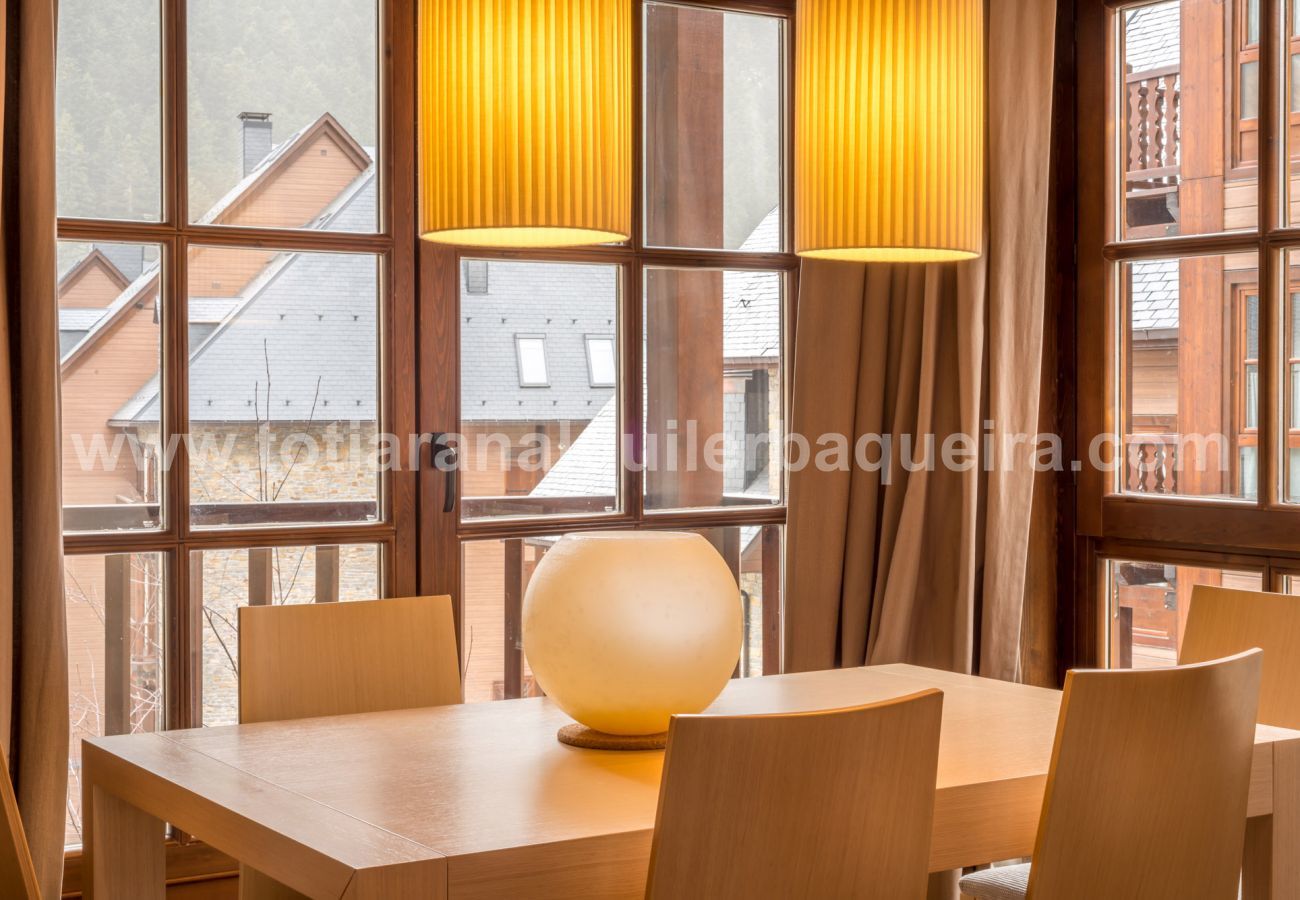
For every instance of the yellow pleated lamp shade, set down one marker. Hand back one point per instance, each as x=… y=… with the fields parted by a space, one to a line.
x=526 y=122
x=889 y=130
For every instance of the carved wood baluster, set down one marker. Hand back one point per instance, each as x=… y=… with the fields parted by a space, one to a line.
x=1156 y=126
x=1134 y=130
x=1175 y=120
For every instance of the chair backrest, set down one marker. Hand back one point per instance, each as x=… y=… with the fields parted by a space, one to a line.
x=1223 y=621
x=17 y=873
x=1146 y=795
x=332 y=659
x=821 y=804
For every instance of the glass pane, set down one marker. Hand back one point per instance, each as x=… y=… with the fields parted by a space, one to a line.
x=538 y=434
x=283 y=111
x=1295 y=396
x=1295 y=82
x=714 y=376
x=1171 y=187
x=754 y=554
x=532 y=361
x=1291 y=389
x=601 y=361
x=110 y=341
x=1291 y=585
x=283 y=388
x=221 y=581
x=1147 y=604
x=1250 y=411
x=1294 y=330
x=1183 y=361
x=495 y=575
x=1248 y=85
x=115 y=608
x=1252 y=326
x=1291 y=134
x=1248 y=467
x=109 y=109
x=1252 y=21
x=714 y=125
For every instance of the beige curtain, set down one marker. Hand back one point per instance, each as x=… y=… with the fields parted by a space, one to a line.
x=33 y=643
x=945 y=566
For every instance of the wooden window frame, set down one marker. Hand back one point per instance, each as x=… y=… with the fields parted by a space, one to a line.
x=1264 y=532
x=442 y=534
x=393 y=244
x=1243 y=52
x=1244 y=168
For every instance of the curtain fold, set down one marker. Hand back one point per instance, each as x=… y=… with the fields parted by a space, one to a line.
x=948 y=564
x=34 y=676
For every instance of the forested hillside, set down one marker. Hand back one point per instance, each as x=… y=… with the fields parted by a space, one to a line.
x=293 y=58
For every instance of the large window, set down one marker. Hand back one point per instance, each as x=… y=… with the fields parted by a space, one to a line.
x=230 y=265
x=639 y=385
x=1188 y=427
x=243 y=342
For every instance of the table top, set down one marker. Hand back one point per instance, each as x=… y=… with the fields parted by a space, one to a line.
x=477 y=778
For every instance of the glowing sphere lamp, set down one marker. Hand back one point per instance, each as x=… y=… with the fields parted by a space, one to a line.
x=624 y=629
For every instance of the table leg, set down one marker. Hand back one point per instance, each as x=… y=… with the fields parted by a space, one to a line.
x=1271 y=866
x=123 y=848
x=943 y=885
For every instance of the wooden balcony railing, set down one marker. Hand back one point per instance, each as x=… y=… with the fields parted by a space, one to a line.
x=142 y=516
x=1151 y=463
x=1152 y=109
x=131 y=650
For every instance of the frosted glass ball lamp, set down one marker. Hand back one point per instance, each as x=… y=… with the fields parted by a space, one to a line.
x=624 y=629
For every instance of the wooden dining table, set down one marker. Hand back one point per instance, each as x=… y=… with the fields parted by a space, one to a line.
x=481 y=800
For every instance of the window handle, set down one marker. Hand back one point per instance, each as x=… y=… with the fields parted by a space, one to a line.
x=445 y=459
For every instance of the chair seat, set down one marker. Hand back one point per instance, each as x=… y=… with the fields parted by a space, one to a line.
x=1001 y=883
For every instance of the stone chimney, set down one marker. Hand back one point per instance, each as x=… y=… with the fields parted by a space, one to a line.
x=256 y=133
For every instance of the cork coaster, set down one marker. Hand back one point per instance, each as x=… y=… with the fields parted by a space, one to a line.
x=576 y=735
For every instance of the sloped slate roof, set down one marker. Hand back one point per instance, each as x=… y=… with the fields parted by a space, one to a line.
x=1151 y=36
x=313 y=316
x=1155 y=294
x=588 y=468
x=562 y=303
x=751 y=320
x=751 y=330
x=103 y=317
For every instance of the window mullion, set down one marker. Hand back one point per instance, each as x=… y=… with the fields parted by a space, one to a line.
x=1271 y=261
x=633 y=401
x=175 y=143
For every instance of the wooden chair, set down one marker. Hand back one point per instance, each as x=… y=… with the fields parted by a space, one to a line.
x=17 y=873
x=1223 y=621
x=334 y=659
x=820 y=804
x=1147 y=789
